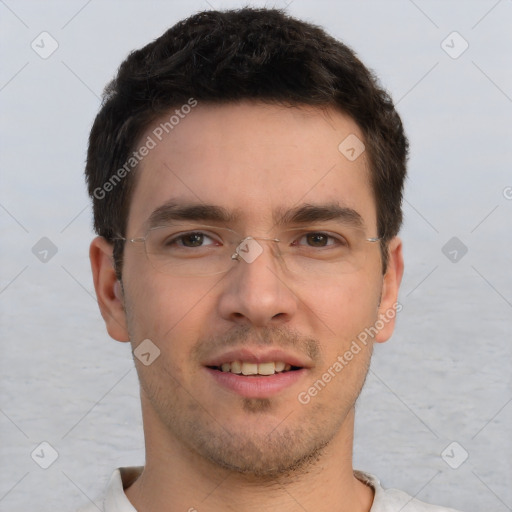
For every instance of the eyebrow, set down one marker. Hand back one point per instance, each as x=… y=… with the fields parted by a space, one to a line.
x=171 y=210
x=310 y=213
x=304 y=214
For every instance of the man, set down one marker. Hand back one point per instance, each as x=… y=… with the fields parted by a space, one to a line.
x=247 y=172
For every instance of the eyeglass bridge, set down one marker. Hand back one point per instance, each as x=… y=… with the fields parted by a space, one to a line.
x=237 y=256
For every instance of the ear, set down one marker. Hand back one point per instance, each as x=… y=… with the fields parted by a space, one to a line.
x=389 y=306
x=108 y=289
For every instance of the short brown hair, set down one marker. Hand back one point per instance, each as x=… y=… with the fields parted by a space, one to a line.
x=230 y=56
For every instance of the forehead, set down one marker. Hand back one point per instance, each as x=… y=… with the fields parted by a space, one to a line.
x=254 y=160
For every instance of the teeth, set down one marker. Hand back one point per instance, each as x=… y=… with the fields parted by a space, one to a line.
x=280 y=366
x=236 y=367
x=244 y=368
x=267 y=368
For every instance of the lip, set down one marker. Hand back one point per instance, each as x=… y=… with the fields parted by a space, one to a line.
x=255 y=355
x=255 y=386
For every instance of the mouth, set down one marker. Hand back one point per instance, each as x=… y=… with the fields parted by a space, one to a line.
x=254 y=373
x=249 y=369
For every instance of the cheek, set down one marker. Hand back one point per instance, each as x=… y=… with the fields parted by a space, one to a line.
x=346 y=310
x=168 y=312
x=348 y=306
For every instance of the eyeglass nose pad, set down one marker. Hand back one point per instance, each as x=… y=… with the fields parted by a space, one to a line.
x=249 y=249
x=236 y=255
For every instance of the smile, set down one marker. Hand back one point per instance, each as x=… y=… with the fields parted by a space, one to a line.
x=248 y=368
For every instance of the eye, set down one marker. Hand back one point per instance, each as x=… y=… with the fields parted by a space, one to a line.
x=190 y=240
x=321 y=239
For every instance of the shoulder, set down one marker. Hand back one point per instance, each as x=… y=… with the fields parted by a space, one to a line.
x=393 y=500
x=114 y=498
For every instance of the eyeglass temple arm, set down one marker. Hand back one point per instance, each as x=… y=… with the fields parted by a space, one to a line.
x=134 y=240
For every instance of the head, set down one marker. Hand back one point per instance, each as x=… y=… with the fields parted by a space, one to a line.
x=228 y=57
x=245 y=110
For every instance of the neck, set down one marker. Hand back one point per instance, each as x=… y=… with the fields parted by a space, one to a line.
x=177 y=478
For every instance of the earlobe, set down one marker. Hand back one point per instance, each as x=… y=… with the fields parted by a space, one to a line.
x=108 y=289
x=389 y=306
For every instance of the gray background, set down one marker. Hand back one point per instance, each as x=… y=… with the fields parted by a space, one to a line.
x=444 y=377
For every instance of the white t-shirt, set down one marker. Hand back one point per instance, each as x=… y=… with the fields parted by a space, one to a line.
x=385 y=500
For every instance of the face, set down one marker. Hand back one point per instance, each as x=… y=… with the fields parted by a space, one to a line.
x=254 y=163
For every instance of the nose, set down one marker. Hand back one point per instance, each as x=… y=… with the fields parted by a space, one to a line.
x=256 y=291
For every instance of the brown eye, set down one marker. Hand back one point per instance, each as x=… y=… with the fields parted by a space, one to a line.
x=317 y=239
x=192 y=239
